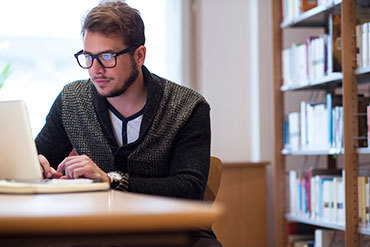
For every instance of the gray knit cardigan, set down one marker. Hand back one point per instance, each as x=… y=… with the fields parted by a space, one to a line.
x=171 y=156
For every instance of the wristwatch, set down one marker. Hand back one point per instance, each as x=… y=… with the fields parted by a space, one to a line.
x=115 y=178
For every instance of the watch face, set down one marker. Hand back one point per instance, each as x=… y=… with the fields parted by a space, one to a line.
x=115 y=175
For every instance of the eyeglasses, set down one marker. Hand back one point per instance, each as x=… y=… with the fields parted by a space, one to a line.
x=105 y=59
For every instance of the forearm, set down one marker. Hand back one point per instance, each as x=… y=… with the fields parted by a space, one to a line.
x=52 y=141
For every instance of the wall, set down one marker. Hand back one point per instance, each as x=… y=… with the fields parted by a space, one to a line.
x=228 y=54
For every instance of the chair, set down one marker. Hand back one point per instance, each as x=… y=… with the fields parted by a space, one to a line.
x=214 y=179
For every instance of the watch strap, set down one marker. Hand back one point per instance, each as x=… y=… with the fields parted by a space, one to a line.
x=121 y=184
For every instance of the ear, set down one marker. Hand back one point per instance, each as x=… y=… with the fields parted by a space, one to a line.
x=139 y=55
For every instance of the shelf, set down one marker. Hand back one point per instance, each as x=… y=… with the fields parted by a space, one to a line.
x=331 y=80
x=313 y=17
x=363 y=150
x=319 y=17
x=365 y=231
x=331 y=151
x=305 y=220
x=362 y=71
x=363 y=75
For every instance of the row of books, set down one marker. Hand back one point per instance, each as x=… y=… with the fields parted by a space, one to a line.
x=318 y=194
x=320 y=238
x=293 y=8
x=363 y=45
x=319 y=126
x=323 y=238
x=364 y=201
x=318 y=57
x=315 y=127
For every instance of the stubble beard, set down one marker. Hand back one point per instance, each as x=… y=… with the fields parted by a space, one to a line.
x=129 y=81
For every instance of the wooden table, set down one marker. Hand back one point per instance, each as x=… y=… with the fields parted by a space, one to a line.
x=107 y=217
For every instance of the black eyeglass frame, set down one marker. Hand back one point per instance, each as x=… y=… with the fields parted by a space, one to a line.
x=96 y=56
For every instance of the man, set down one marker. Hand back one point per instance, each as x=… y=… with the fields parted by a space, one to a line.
x=130 y=128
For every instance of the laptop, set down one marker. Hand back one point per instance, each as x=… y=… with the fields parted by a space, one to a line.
x=20 y=171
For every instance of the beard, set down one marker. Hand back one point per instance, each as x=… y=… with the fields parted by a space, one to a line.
x=127 y=83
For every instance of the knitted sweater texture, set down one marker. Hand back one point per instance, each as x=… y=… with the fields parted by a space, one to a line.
x=171 y=155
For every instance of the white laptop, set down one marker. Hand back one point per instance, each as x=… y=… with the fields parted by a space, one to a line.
x=20 y=171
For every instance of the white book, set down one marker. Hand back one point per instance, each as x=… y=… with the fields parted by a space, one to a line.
x=294 y=136
x=341 y=127
x=313 y=197
x=329 y=54
x=302 y=65
x=337 y=186
x=310 y=126
x=293 y=191
x=303 y=115
x=341 y=204
x=317 y=58
x=313 y=59
x=321 y=60
x=365 y=38
x=368 y=44
x=326 y=184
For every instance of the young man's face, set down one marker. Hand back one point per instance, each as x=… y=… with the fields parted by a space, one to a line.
x=110 y=82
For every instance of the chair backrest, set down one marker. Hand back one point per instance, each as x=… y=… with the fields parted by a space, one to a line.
x=214 y=179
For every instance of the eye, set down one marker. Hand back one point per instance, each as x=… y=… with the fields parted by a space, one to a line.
x=107 y=56
x=88 y=57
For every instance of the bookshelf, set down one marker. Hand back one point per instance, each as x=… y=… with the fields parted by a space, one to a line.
x=348 y=80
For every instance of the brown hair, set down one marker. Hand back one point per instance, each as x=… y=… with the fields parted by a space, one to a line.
x=116 y=18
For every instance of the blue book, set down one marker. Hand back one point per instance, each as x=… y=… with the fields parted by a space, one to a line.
x=321 y=203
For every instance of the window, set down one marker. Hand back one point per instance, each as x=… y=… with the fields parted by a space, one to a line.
x=40 y=38
x=163 y=32
x=39 y=41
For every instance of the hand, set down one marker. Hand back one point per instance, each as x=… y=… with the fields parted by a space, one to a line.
x=81 y=166
x=47 y=170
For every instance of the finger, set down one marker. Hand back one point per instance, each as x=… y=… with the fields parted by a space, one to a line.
x=71 y=163
x=61 y=166
x=45 y=166
x=79 y=172
x=56 y=174
x=70 y=168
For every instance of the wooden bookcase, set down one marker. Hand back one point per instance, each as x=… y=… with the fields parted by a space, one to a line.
x=349 y=85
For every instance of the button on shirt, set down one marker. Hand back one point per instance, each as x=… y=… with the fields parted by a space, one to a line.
x=126 y=130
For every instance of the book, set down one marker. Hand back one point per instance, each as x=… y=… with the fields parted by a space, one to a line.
x=359 y=46
x=51 y=186
x=329 y=238
x=294 y=129
x=361 y=184
x=368 y=125
x=307 y=5
x=363 y=103
x=365 y=44
x=336 y=41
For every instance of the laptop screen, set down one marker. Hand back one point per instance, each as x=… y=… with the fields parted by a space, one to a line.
x=18 y=155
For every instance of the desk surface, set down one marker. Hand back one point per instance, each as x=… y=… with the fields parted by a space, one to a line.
x=103 y=212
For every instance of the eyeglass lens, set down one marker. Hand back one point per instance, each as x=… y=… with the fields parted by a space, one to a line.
x=106 y=59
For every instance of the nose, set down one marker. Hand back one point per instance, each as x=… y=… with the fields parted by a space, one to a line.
x=97 y=68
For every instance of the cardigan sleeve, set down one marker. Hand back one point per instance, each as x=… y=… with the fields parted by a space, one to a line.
x=52 y=141
x=190 y=159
